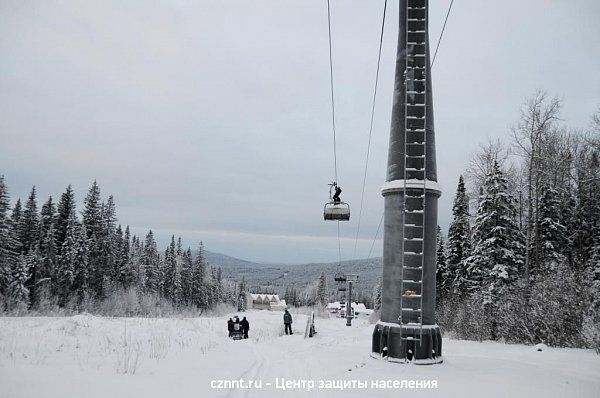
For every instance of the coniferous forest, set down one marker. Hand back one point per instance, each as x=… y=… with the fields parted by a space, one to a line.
x=521 y=260
x=50 y=259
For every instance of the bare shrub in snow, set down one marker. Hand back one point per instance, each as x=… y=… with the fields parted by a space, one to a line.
x=128 y=356
x=591 y=331
x=471 y=321
x=159 y=344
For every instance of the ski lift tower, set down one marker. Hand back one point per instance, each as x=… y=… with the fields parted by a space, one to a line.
x=407 y=330
x=350 y=279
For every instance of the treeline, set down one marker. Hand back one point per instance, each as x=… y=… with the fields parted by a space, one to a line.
x=521 y=261
x=53 y=259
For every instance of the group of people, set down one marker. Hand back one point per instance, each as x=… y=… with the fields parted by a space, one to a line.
x=236 y=326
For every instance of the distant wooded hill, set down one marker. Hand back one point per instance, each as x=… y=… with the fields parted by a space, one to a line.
x=280 y=276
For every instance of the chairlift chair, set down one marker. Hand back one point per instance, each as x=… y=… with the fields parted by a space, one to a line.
x=339 y=277
x=336 y=210
x=339 y=211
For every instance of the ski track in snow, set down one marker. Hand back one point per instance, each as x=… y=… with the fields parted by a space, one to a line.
x=86 y=355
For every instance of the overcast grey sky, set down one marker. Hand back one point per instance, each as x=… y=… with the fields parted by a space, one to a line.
x=211 y=119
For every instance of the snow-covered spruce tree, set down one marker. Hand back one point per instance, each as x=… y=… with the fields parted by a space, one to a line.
x=552 y=234
x=187 y=265
x=588 y=205
x=498 y=249
x=458 y=246
x=29 y=238
x=15 y=221
x=19 y=295
x=63 y=275
x=92 y=212
x=66 y=212
x=199 y=293
x=177 y=292
x=591 y=320
x=8 y=242
x=215 y=287
x=568 y=211
x=92 y=221
x=178 y=282
x=241 y=298
x=170 y=265
x=108 y=245
x=444 y=278
x=29 y=224
x=220 y=287
x=177 y=296
x=446 y=299
x=230 y=292
x=322 y=296
x=125 y=258
x=47 y=217
x=79 y=255
x=377 y=295
x=135 y=261
x=591 y=317
x=118 y=241
x=151 y=264
x=213 y=290
x=48 y=249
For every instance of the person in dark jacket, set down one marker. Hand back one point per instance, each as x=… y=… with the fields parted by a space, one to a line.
x=245 y=327
x=287 y=321
x=336 y=196
x=230 y=326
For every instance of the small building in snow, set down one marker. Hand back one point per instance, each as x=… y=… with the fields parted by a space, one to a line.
x=260 y=301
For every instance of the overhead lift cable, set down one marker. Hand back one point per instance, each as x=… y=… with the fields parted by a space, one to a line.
x=332 y=96
x=441 y=34
x=333 y=120
x=376 y=234
x=431 y=66
x=362 y=195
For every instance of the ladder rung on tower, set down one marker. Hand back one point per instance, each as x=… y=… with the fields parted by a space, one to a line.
x=414 y=198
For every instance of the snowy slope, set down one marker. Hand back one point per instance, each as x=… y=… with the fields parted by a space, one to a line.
x=87 y=356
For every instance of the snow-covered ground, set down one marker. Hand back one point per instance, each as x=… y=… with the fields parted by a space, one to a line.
x=87 y=356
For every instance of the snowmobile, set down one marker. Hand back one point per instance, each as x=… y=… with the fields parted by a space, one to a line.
x=237 y=333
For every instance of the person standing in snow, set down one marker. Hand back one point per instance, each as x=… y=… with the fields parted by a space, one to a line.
x=230 y=326
x=287 y=321
x=245 y=327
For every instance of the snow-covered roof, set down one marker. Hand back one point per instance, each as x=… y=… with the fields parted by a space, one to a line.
x=265 y=298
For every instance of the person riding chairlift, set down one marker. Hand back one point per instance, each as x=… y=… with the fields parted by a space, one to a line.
x=336 y=196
